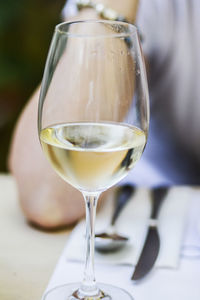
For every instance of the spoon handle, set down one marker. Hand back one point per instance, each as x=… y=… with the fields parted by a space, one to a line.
x=123 y=196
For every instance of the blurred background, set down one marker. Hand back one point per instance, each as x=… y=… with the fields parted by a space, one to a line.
x=26 y=28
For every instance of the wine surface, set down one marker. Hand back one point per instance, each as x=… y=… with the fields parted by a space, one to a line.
x=92 y=156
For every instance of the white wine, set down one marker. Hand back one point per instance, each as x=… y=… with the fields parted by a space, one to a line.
x=92 y=156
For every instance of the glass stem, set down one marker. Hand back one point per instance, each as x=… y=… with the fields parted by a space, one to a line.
x=89 y=286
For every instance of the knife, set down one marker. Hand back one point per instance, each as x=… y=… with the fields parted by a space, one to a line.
x=151 y=246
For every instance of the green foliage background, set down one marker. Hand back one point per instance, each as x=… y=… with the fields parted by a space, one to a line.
x=26 y=28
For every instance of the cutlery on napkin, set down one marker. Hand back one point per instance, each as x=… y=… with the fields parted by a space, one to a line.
x=151 y=246
x=133 y=222
x=110 y=239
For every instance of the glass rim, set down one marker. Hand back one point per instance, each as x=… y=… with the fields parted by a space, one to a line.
x=132 y=29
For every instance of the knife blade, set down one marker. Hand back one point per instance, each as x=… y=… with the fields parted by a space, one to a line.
x=151 y=246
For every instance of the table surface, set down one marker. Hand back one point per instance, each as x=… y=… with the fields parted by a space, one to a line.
x=27 y=255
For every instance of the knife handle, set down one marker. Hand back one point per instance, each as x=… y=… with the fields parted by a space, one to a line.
x=157 y=196
x=123 y=195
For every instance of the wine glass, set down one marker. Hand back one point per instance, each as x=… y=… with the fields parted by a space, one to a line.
x=93 y=119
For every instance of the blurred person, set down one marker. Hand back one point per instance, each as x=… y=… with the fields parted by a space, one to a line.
x=171 y=41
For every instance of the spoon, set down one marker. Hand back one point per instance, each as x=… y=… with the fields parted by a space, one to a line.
x=110 y=240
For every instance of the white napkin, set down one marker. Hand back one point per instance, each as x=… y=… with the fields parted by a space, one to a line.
x=133 y=222
x=162 y=283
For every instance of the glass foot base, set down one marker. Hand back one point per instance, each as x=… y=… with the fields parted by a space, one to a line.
x=69 y=292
